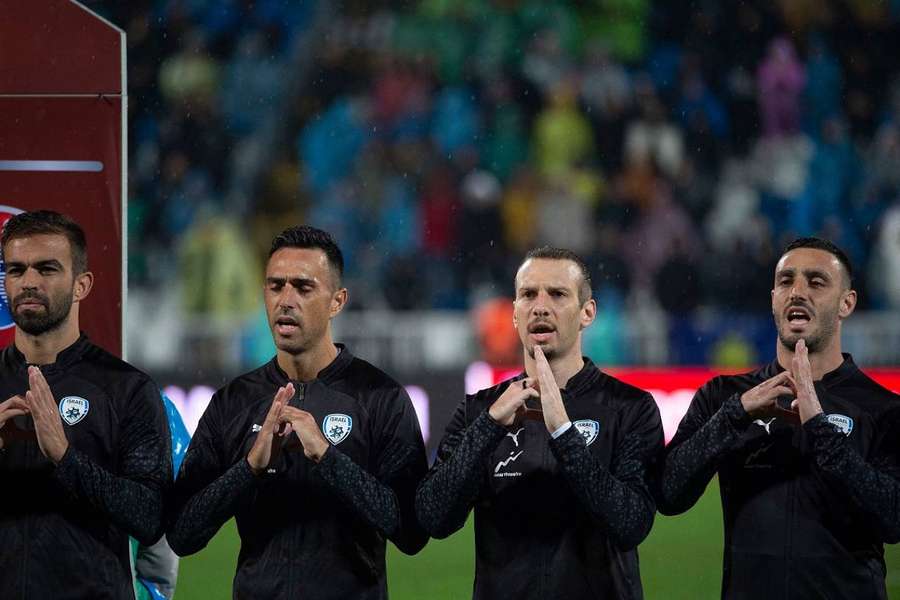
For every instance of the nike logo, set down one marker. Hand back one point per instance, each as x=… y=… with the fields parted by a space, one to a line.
x=504 y=463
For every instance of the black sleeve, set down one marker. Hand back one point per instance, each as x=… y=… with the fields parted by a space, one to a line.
x=618 y=498
x=133 y=497
x=208 y=491
x=704 y=437
x=872 y=487
x=451 y=487
x=385 y=499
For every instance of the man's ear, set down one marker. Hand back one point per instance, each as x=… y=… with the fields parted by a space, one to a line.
x=83 y=285
x=848 y=304
x=588 y=313
x=338 y=302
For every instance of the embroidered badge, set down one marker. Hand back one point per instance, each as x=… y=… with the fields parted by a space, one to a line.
x=588 y=428
x=337 y=427
x=842 y=422
x=73 y=409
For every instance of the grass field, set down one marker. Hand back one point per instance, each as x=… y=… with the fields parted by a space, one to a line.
x=680 y=560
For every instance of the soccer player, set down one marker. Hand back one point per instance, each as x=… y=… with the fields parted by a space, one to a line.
x=555 y=461
x=84 y=444
x=317 y=453
x=807 y=449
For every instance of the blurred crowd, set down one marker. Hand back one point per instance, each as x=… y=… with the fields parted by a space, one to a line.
x=676 y=145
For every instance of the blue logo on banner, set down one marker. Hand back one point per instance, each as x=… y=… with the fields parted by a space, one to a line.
x=5 y=316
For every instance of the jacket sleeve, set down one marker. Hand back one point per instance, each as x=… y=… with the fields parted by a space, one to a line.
x=208 y=490
x=454 y=482
x=873 y=486
x=384 y=498
x=132 y=497
x=704 y=437
x=618 y=498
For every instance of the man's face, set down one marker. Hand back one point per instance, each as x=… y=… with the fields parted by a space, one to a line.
x=547 y=311
x=40 y=284
x=300 y=298
x=810 y=298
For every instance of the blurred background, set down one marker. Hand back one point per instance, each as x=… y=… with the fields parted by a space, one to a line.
x=677 y=146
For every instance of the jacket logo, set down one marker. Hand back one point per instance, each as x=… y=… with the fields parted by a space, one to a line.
x=513 y=456
x=515 y=436
x=765 y=424
x=588 y=428
x=337 y=427
x=73 y=409
x=843 y=423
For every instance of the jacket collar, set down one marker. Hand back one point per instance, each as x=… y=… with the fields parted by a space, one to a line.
x=64 y=359
x=329 y=374
x=845 y=370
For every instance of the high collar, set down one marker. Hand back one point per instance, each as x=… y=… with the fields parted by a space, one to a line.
x=330 y=373
x=65 y=358
x=845 y=370
x=583 y=379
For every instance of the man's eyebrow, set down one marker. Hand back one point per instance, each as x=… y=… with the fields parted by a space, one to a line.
x=47 y=262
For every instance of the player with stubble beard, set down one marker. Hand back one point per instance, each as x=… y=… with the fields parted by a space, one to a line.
x=317 y=454
x=84 y=443
x=555 y=461
x=807 y=450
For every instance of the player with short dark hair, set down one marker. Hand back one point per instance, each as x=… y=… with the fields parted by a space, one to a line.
x=317 y=453
x=84 y=444
x=807 y=449
x=561 y=493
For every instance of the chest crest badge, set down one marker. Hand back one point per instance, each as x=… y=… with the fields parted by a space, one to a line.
x=588 y=428
x=843 y=423
x=73 y=409
x=337 y=427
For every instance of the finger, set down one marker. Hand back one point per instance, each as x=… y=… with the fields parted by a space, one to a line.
x=42 y=388
x=274 y=412
x=782 y=391
x=9 y=413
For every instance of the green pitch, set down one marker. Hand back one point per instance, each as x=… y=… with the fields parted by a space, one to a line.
x=681 y=559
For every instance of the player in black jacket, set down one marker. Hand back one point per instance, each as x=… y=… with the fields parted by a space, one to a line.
x=84 y=444
x=561 y=493
x=807 y=450
x=317 y=453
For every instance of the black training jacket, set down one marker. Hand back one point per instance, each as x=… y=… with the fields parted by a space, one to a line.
x=64 y=529
x=554 y=519
x=806 y=508
x=307 y=530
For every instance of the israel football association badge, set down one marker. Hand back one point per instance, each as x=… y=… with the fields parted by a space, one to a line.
x=73 y=409
x=843 y=423
x=588 y=428
x=337 y=427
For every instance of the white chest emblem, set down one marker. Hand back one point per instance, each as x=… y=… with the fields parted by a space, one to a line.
x=337 y=427
x=588 y=428
x=843 y=423
x=73 y=409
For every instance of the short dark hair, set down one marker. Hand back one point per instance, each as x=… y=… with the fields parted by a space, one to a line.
x=48 y=222
x=304 y=236
x=552 y=253
x=828 y=246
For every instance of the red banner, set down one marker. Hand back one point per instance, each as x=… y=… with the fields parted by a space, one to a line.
x=62 y=118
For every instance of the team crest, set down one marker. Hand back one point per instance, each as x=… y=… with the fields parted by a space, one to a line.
x=843 y=423
x=73 y=409
x=337 y=427
x=588 y=429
